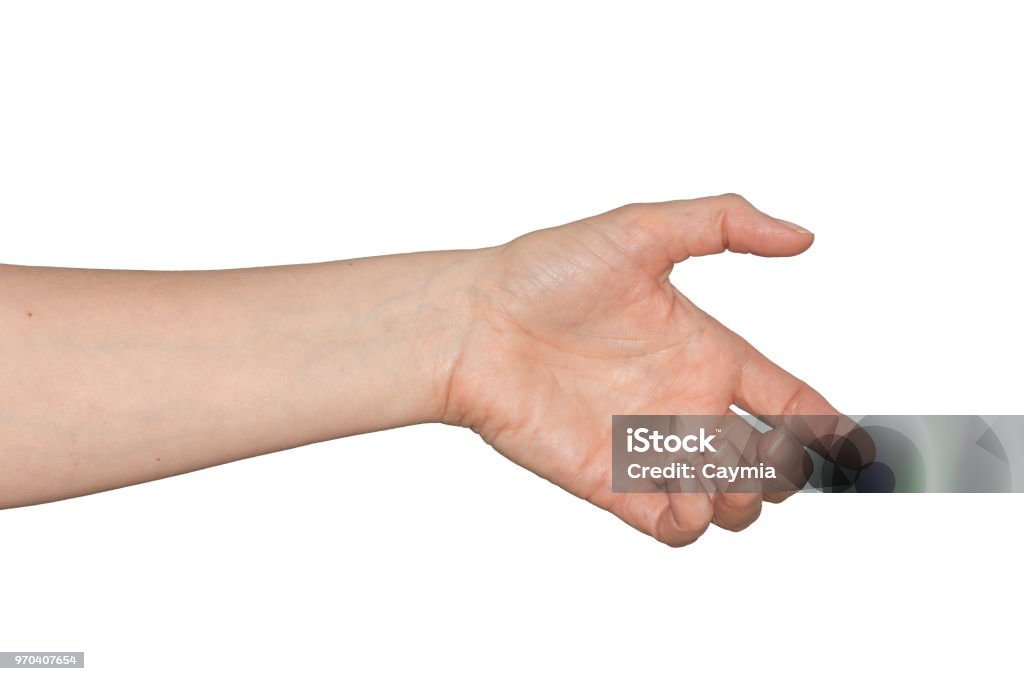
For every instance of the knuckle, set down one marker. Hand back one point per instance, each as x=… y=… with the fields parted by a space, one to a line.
x=738 y=511
x=735 y=526
x=739 y=523
x=678 y=544
x=679 y=532
x=631 y=213
x=734 y=200
x=675 y=541
x=795 y=403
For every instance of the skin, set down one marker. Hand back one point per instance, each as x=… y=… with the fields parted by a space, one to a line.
x=112 y=378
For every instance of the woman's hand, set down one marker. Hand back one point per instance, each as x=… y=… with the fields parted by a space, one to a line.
x=573 y=324
x=111 y=378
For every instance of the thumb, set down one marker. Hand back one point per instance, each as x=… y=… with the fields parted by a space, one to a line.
x=694 y=227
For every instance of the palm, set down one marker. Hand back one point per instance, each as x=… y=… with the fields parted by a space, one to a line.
x=581 y=323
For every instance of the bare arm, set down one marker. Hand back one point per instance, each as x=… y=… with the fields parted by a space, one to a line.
x=109 y=378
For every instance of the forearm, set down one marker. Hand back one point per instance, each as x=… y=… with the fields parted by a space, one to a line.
x=109 y=378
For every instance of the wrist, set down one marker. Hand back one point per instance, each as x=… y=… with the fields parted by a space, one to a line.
x=451 y=305
x=401 y=339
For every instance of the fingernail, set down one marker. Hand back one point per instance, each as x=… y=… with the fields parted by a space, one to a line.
x=795 y=227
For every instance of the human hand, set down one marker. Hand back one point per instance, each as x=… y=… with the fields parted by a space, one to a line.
x=119 y=377
x=575 y=323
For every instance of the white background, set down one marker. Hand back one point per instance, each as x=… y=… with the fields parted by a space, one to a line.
x=220 y=134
